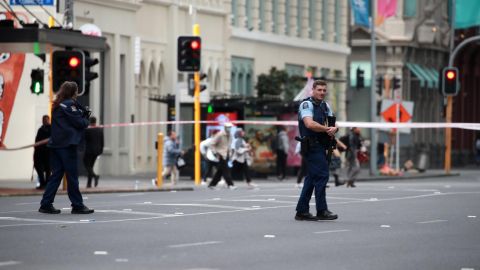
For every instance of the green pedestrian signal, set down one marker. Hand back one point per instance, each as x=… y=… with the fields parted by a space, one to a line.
x=36 y=86
x=210 y=109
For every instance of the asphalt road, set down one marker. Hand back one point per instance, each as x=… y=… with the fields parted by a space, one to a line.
x=415 y=224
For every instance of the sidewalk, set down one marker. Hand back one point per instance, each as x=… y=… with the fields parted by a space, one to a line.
x=143 y=183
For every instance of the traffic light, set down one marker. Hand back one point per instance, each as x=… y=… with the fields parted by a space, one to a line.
x=189 y=50
x=37 y=81
x=396 y=83
x=210 y=108
x=89 y=75
x=191 y=83
x=379 y=84
x=360 y=78
x=68 y=66
x=449 y=81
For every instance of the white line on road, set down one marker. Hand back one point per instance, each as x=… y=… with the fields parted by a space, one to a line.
x=131 y=194
x=125 y=211
x=100 y=253
x=195 y=244
x=201 y=205
x=7 y=263
x=335 y=231
x=432 y=221
x=35 y=220
x=121 y=260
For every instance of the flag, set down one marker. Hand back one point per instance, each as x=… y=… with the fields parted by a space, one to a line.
x=306 y=91
x=361 y=12
x=385 y=9
x=467 y=13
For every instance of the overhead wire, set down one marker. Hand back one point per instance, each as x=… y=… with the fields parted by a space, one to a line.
x=31 y=13
x=10 y=9
x=46 y=10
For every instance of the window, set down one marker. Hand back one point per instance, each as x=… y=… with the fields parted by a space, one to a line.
x=293 y=69
x=248 y=12
x=325 y=20
x=261 y=16
x=287 y=17
x=338 y=21
x=242 y=76
x=299 y=17
x=274 y=16
x=410 y=8
x=312 y=9
x=234 y=13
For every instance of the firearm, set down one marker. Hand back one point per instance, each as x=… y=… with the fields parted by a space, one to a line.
x=332 y=142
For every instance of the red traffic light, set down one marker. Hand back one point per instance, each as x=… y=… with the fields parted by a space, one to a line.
x=451 y=75
x=195 y=45
x=73 y=62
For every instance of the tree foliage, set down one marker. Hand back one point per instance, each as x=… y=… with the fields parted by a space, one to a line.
x=277 y=83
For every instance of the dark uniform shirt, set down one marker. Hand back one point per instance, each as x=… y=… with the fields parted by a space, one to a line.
x=68 y=124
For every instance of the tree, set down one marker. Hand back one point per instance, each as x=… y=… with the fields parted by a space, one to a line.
x=279 y=84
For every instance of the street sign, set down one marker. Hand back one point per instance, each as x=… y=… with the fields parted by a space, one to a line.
x=32 y=2
x=389 y=113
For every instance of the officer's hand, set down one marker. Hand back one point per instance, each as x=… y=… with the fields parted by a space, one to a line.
x=331 y=131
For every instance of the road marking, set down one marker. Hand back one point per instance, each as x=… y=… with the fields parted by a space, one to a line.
x=121 y=260
x=432 y=221
x=472 y=216
x=129 y=211
x=269 y=236
x=7 y=263
x=129 y=195
x=201 y=205
x=35 y=220
x=195 y=244
x=385 y=226
x=335 y=231
x=467 y=268
x=27 y=203
x=100 y=253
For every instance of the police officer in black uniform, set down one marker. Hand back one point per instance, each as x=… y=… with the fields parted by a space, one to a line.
x=315 y=136
x=41 y=159
x=69 y=121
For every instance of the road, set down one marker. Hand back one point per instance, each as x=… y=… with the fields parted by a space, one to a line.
x=414 y=224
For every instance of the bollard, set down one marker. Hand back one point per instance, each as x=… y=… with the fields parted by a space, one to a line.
x=159 y=159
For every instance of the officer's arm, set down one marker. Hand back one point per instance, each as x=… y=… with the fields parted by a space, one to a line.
x=311 y=124
x=74 y=116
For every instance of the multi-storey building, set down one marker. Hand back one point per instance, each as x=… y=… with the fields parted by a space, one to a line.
x=412 y=45
x=240 y=40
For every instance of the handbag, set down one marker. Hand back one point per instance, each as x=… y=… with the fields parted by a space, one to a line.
x=180 y=163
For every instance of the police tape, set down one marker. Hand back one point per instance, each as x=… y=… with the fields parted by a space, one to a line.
x=341 y=124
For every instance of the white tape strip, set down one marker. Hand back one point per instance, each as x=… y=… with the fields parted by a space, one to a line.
x=471 y=126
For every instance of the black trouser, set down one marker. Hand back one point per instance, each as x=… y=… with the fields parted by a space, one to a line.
x=281 y=163
x=303 y=171
x=210 y=165
x=42 y=167
x=222 y=169
x=243 y=169
x=89 y=162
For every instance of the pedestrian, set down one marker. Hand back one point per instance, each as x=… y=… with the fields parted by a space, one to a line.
x=303 y=167
x=69 y=121
x=41 y=157
x=208 y=158
x=351 y=155
x=93 y=149
x=316 y=135
x=242 y=157
x=477 y=148
x=282 y=152
x=220 y=146
x=171 y=152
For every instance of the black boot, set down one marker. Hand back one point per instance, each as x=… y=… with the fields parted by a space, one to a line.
x=337 y=181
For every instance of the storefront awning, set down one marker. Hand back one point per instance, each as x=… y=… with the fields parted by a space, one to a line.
x=424 y=75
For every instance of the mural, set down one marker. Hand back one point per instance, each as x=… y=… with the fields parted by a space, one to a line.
x=11 y=68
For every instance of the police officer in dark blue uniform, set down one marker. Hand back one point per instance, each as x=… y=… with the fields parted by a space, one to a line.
x=69 y=121
x=315 y=136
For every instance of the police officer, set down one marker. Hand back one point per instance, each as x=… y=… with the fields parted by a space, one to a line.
x=312 y=118
x=69 y=121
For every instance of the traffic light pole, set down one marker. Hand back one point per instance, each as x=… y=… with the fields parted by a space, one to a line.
x=373 y=100
x=196 y=109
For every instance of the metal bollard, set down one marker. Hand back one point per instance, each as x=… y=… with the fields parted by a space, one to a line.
x=159 y=145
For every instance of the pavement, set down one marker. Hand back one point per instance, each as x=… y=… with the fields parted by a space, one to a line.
x=143 y=183
x=428 y=223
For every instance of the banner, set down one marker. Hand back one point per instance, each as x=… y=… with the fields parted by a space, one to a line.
x=385 y=9
x=361 y=12
x=467 y=13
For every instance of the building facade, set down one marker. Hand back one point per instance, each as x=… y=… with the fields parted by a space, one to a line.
x=240 y=40
x=413 y=45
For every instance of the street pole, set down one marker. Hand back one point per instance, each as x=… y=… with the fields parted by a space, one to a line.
x=398 y=99
x=373 y=107
x=448 y=131
x=196 y=108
